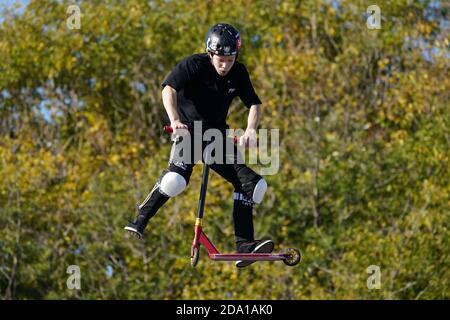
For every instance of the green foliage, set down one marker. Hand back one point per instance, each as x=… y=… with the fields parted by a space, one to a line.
x=364 y=131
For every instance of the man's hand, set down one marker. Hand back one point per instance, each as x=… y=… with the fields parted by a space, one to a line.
x=248 y=139
x=177 y=124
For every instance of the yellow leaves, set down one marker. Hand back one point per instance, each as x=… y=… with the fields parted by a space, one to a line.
x=424 y=28
x=269 y=59
x=307 y=176
x=433 y=193
x=446 y=42
x=415 y=221
x=331 y=31
x=331 y=11
x=124 y=153
x=288 y=7
x=426 y=222
x=148 y=41
x=134 y=12
x=352 y=50
x=99 y=85
x=132 y=262
x=334 y=67
x=284 y=231
x=70 y=62
x=330 y=136
x=4 y=48
x=70 y=186
x=104 y=25
x=58 y=63
x=179 y=264
x=86 y=196
x=95 y=127
x=114 y=159
x=441 y=156
x=278 y=38
x=132 y=151
x=383 y=62
x=399 y=137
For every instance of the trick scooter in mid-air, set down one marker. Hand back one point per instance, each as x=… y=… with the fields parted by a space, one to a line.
x=290 y=257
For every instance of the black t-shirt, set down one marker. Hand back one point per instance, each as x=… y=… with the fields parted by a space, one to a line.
x=204 y=95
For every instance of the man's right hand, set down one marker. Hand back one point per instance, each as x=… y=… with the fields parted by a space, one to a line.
x=177 y=124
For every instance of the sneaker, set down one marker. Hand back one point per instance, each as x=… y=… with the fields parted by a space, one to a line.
x=135 y=230
x=257 y=246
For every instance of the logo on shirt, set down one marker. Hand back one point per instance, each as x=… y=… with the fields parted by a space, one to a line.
x=231 y=90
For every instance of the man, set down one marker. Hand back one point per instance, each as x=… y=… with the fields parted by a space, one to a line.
x=201 y=89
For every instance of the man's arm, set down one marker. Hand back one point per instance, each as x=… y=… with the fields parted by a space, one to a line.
x=169 y=97
x=249 y=137
x=253 y=117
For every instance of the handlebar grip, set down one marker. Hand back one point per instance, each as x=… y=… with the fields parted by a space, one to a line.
x=168 y=129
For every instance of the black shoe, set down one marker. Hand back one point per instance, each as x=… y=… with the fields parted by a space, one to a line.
x=135 y=230
x=257 y=246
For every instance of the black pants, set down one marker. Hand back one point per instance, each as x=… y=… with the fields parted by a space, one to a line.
x=229 y=167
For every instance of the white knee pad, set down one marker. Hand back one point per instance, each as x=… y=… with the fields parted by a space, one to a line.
x=259 y=191
x=172 y=184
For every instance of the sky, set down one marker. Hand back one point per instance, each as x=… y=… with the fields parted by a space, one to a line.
x=9 y=3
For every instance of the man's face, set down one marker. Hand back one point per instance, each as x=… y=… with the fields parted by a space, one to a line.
x=222 y=64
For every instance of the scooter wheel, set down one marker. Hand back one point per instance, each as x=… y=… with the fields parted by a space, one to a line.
x=194 y=257
x=293 y=257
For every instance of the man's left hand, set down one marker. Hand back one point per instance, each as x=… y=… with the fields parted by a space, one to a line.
x=248 y=139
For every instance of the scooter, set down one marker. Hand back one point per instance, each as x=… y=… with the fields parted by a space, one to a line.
x=290 y=257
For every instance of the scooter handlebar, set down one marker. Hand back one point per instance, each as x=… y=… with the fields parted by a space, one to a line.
x=169 y=129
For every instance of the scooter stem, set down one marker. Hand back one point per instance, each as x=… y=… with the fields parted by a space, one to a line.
x=201 y=206
x=197 y=235
x=201 y=200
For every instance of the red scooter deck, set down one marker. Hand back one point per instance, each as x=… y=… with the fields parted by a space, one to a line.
x=248 y=256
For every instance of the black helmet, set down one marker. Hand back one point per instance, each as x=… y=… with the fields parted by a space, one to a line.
x=223 y=39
